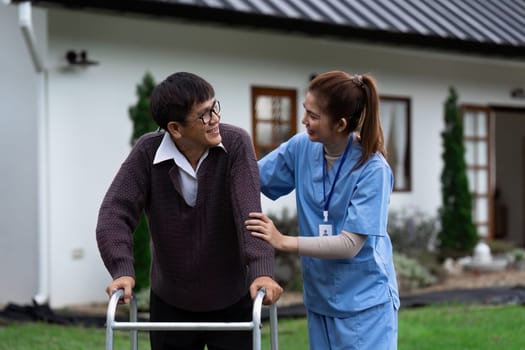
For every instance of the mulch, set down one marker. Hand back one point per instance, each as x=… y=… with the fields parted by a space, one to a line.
x=43 y=313
x=488 y=296
x=479 y=296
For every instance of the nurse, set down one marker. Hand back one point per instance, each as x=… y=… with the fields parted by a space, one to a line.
x=343 y=185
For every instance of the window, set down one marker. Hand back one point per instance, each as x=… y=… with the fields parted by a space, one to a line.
x=274 y=117
x=394 y=113
x=477 y=141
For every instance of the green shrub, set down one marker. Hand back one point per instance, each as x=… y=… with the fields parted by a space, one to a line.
x=412 y=230
x=498 y=246
x=458 y=233
x=142 y=123
x=286 y=223
x=411 y=274
x=519 y=254
x=414 y=234
x=287 y=266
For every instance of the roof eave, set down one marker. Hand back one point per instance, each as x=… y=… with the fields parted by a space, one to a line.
x=292 y=25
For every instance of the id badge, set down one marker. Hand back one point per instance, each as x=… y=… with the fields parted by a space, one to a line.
x=326 y=228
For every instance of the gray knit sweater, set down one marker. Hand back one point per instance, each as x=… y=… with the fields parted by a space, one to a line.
x=203 y=258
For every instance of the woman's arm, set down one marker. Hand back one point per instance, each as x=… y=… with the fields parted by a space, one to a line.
x=343 y=246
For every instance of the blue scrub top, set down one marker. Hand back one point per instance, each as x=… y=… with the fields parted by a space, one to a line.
x=359 y=204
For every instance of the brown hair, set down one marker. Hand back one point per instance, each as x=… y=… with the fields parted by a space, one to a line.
x=356 y=99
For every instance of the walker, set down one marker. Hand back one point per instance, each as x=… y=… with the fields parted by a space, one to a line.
x=134 y=326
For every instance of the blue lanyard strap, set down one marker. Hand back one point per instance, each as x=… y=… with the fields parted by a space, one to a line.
x=327 y=200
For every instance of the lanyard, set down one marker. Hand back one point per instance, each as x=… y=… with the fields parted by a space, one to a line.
x=327 y=200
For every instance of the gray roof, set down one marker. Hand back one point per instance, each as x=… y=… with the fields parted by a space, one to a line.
x=487 y=27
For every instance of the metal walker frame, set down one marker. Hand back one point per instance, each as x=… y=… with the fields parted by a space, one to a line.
x=134 y=326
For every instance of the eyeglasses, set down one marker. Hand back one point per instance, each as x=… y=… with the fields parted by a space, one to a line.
x=208 y=115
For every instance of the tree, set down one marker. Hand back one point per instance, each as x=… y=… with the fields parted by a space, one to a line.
x=458 y=233
x=140 y=113
x=142 y=123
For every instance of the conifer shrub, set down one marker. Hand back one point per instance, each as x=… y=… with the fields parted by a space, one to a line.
x=143 y=123
x=458 y=233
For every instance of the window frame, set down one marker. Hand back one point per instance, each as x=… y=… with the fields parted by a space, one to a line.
x=256 y=91
x=484 y=228
x=407 y=161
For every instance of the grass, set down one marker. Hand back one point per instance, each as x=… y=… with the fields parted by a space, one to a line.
x=462 y=327
x=32 y=336
x=458 y=327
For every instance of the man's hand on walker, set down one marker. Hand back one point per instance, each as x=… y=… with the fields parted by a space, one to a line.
x=273 y=289
x=125 y=282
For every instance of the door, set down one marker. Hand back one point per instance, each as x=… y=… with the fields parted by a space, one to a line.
x=509 y=150
x=478 y=142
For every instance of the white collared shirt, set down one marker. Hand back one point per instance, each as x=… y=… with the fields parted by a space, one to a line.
x=188 y=176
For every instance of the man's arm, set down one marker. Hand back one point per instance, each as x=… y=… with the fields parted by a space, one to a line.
x=118 y=216
x=246 y=196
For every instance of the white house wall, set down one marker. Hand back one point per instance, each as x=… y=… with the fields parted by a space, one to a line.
x=90 y=127
x=19 y=137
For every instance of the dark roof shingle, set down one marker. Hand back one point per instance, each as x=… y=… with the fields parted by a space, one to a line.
x=491 y=27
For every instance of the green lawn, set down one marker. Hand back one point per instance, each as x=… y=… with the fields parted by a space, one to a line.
x=463 y=328
x=456 y=327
